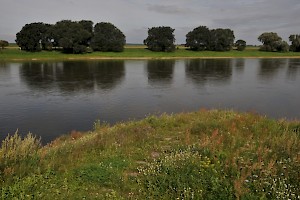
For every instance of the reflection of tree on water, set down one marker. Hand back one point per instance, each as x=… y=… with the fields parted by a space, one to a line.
x=160 y=71
x=269 y=68
x=73 y=76
x=86 y=75
x=38 y=75
x=4 y=68
x=201 y=71
x=293 y=68
x=111 y=73
x=239 y=64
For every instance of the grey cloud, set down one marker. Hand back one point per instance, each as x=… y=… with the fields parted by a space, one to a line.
x=169 y=9
x=247 y=18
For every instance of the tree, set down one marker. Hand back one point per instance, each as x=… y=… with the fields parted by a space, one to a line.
x=270 y=41
x=221 y=39
x=240 y=45
x=88 y=26
x=3 y=43
x=107 y=37
x=160 y=39
x=295 y=40
x=198 y=39
x=33 y=37
x=201 y=38
x=282 y=46
x=71 y=36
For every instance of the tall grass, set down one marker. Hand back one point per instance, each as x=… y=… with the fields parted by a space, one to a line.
x=19 y=157
x=201 y=155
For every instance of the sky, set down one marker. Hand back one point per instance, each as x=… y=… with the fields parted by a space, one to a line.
x=247 y=18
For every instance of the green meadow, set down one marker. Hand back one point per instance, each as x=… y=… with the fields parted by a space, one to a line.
x=209 y=154
x=140 y=52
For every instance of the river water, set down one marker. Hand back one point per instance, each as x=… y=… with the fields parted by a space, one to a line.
x=53 y=98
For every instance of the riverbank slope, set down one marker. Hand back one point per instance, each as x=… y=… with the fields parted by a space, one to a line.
x=209 y=154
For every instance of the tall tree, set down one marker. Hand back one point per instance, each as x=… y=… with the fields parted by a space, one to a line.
x=295 y=40
x=33 y=36
x=3 y=44
x=201 y=38
x=270 y=41
x=221 y=39
x=88 y=26
x=160 y=39
x=198 y=39
x=71 y=36
x=107 y=37
x=282 y=46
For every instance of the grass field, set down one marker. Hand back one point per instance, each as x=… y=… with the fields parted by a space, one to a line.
x=209 y=154
x=139 y=52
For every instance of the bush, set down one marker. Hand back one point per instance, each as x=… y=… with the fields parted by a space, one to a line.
x=17 y=156
x=240 y=45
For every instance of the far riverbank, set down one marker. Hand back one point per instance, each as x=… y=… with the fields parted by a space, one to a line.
x=140 y=53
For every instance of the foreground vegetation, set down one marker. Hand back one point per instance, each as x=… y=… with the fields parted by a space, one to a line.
x=201 y=155
x=140 y=52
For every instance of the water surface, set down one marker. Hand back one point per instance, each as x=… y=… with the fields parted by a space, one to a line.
x=54 y=98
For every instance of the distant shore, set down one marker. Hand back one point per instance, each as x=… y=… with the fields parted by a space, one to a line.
x=139 y=52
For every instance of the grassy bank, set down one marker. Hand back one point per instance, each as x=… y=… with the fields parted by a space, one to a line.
x=201 y=155
x=136 y=52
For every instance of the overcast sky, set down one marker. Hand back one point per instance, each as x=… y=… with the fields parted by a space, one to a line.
x=247 y=18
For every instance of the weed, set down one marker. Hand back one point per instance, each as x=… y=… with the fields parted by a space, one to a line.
x=184 y=175
x=19 y=156
x=209 y=154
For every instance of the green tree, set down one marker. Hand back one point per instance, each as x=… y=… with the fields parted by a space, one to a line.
x=71 y=36
x=221 y=39
x=160 y=39
x=270 y=41
x=295 y=40
x=240 y=45
x=33 y=37
x=107 y=37
x=198 y=39
x=88 y=26
x=282 y=46
x=3 y=44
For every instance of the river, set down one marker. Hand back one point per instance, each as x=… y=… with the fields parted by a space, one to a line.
x=53 y=98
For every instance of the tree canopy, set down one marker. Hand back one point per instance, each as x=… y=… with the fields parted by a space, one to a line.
x=201 y=38
x=88 y=26
x=198 y=39
x=221 y=39
x=3 y=44
x=71 y=36
x=160 y=39
x=272 y=42
x=295 y=40
x=107 y=37
x=33 y=37
x=240 y=45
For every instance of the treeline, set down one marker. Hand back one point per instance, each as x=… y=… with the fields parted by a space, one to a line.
x=199 y=39
x=82 y=36
x=71 y=36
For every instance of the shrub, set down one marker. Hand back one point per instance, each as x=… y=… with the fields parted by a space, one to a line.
x=18 y=156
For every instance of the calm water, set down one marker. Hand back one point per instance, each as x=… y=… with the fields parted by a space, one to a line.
x=53 y=98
